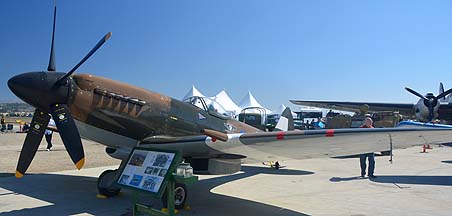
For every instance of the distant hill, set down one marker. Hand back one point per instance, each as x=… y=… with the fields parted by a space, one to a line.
x=15 y=107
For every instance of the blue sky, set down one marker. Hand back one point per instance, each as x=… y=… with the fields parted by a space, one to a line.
x=280 y=50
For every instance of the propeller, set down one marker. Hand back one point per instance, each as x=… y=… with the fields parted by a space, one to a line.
x=51 y=66
x=429 y=100
x=49 y=93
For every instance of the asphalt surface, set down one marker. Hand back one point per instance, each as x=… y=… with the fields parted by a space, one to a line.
x=44 y=161
x=415 y=184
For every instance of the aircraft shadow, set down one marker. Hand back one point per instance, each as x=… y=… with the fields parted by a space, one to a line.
x=68 y=195
x=418 y=180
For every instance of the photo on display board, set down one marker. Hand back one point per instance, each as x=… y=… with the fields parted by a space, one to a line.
x=124 y=179
x=136 y=180
x=149 y=183
x=137 y=159
x=161 y=160
x=148 y=170
x=162 y=172
x=155 y=171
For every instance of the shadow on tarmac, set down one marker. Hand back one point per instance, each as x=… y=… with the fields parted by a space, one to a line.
x=447 y=161
x=419 y=180
x=339 y=179
x=68 y=195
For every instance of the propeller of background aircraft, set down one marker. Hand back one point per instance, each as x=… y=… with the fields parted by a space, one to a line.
x=48 y=91
x=430 y=100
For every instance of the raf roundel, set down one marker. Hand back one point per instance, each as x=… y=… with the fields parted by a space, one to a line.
x=61 y=117
x=37 y=127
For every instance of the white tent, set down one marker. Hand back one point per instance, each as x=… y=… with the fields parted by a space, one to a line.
x=250 y=101
x=281 y=109
x=227 y=105
x=192 y=93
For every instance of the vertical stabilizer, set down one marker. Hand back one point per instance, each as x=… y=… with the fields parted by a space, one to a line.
x=285 y=122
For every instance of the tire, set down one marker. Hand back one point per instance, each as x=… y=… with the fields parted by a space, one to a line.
x=180 y=193
x=109 y=192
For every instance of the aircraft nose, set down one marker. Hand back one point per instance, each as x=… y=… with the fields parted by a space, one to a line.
x=18 y=84
x=38 y=88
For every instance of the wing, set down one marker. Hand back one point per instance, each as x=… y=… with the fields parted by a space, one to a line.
x=264 y=146
x=403 y=108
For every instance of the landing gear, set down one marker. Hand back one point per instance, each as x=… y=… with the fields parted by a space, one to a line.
x=105 y=183
x=180 y=196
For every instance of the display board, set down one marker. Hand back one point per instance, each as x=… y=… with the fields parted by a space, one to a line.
x=148 y=170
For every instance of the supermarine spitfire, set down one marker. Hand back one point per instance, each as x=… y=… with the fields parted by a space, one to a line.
x=123 y=116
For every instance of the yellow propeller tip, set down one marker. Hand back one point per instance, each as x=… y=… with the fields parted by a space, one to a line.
x=19 y=175
x=80 y=163
x=108 y=36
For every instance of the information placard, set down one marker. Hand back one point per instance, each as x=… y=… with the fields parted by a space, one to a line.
x=148 y=170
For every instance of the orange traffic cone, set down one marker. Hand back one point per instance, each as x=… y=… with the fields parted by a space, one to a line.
x=423 y=149
x=428 y=146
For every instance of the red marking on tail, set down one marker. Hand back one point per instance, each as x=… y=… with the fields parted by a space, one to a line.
x=214 y=139
x=330 y=133
x=280 y=135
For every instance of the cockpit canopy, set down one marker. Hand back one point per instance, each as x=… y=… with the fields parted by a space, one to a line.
x=210 y=106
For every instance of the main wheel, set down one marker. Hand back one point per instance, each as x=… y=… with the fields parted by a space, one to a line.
x=105 y=182
x=180 y=196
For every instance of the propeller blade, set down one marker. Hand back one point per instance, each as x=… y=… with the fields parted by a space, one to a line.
x=98 y=45
x=430 y=109
x=52 y=66
x=32 y=141
x=415 y=93
x=68 y=133
x=444 y=93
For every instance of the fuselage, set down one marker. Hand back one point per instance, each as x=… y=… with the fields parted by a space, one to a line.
x=118 y=114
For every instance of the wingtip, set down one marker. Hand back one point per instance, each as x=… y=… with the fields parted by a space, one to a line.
x=80 y=163
x=19 y=174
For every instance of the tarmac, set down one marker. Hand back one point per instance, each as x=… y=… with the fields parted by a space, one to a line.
x=414 y=184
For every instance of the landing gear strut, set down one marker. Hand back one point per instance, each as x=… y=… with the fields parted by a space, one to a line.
x=105 y=183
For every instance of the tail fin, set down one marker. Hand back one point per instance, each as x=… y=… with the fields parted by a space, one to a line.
x=285 y=122
x=441 y=90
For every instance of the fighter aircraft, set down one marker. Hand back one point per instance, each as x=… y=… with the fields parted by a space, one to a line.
x=122 y=116
x=427 y=108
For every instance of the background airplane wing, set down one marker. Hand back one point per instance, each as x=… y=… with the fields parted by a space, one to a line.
x=445 y=111
x=402 y=108
x=267 y=146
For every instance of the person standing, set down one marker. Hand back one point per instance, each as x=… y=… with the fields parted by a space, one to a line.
x=3 y=123
x=370 y=156
x=48 y=135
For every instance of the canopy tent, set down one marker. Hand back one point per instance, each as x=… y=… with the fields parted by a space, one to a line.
x=192 y=93
x=250 y=101
x=227 y=105
x=281 y=109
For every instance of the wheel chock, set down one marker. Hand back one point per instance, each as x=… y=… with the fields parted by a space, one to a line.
x=165 y=210
x=100 y=196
